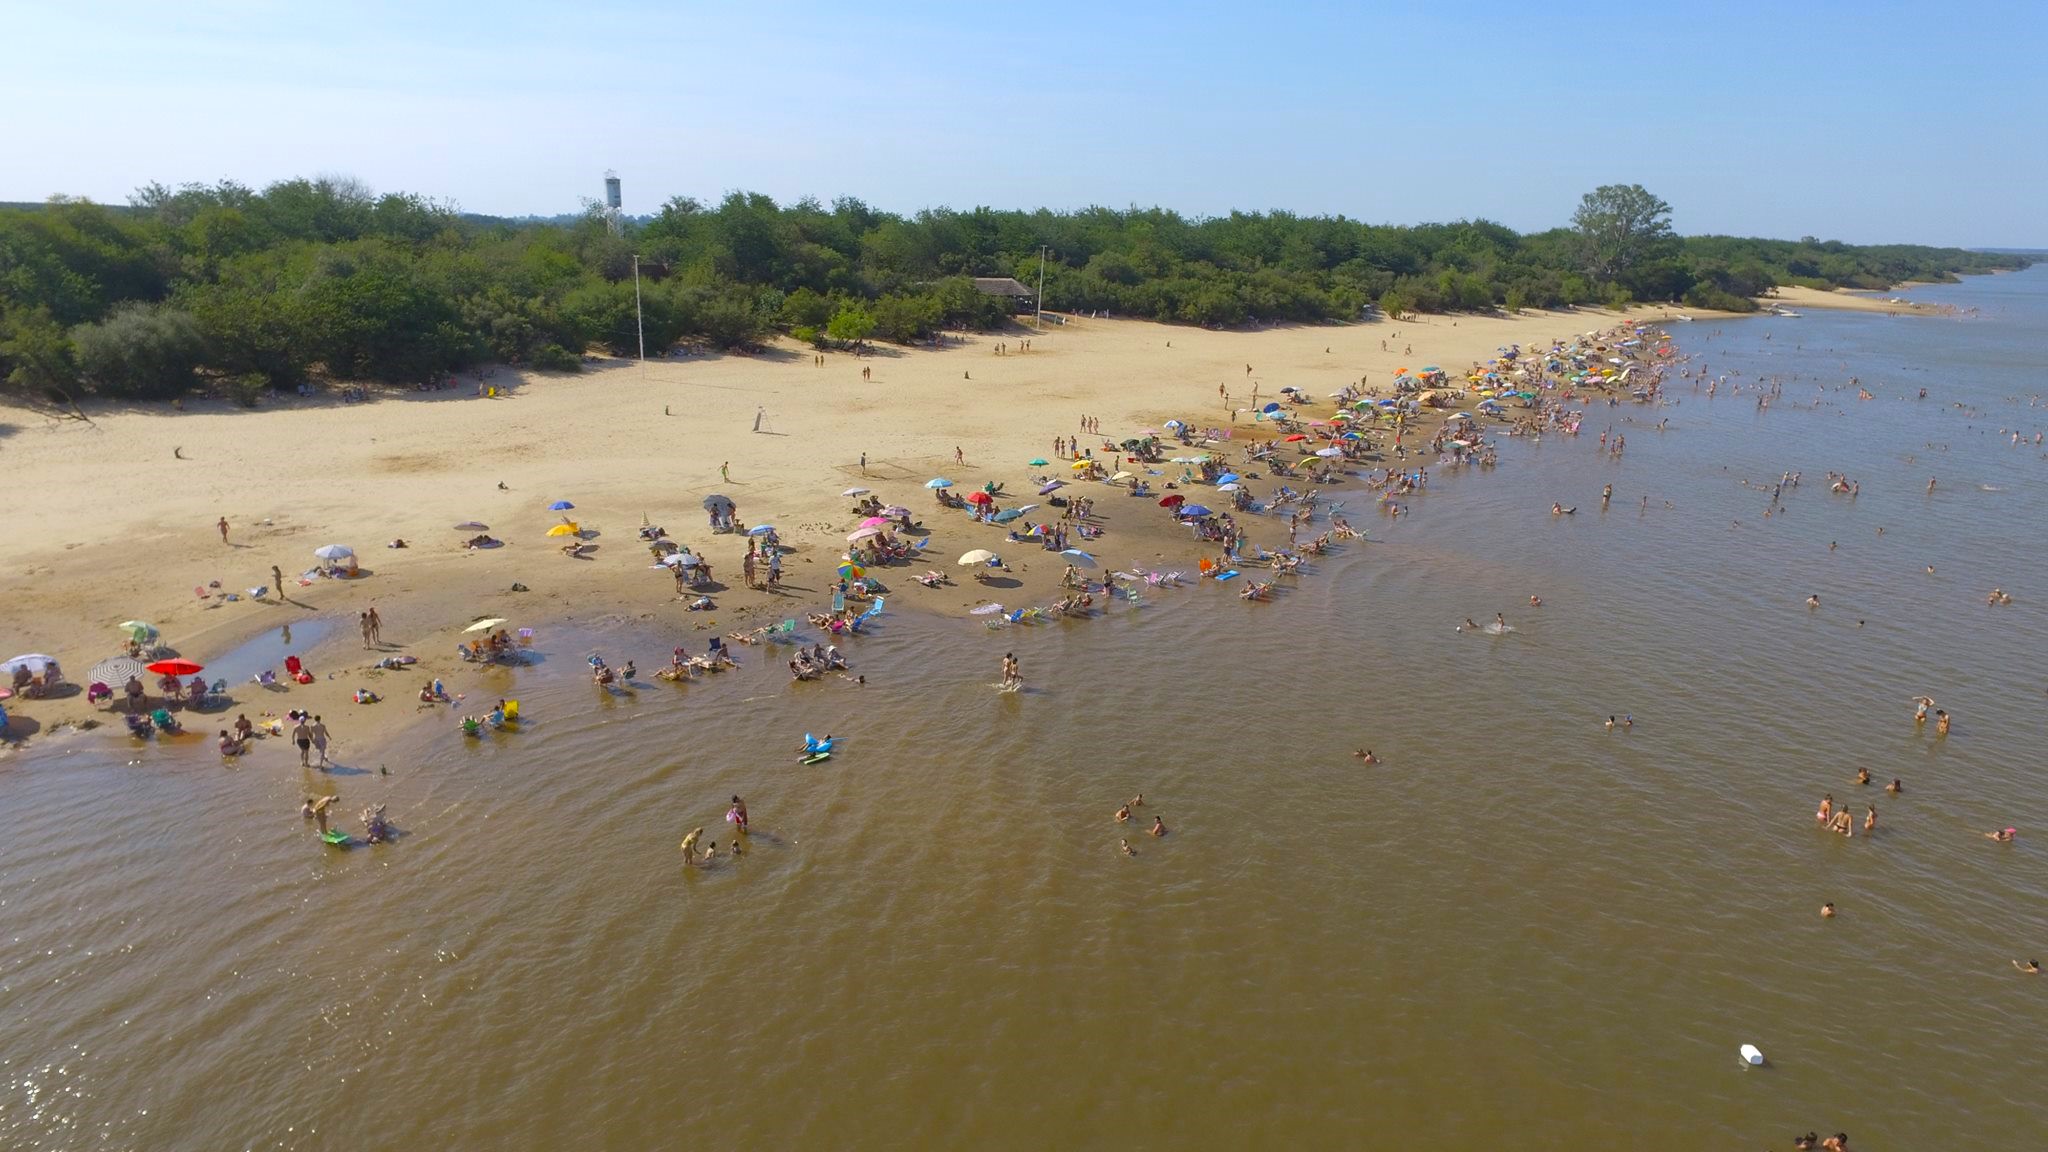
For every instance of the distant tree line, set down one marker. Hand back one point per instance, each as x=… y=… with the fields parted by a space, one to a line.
x=255 y=290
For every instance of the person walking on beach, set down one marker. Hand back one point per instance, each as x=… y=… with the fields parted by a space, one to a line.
x=959 y=457
x=863 y=463
x=277 y=577
x=303 y=737
x=376 y=626
x=724 y=471
x=363 y=626
x=319 y=733
x=223 y=529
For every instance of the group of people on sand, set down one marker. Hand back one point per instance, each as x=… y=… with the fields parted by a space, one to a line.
x=489 y=649
x=1123 y=816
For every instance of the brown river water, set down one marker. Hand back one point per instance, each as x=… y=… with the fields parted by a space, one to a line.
x=1520 y=930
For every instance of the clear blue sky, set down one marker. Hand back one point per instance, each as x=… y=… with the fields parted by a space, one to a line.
x=1865 y=122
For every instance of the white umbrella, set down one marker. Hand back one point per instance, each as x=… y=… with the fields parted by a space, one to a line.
x=861 y=534
x=760 y=529
x=333 y=551
x=484 y=625
x=1121 y=476
x=1078 y=558
x=978 y=556
x=985 y=610
x=1232 y=487
x=34 y=662
x=1329 y=452
x=855 y=492
x=116 y=671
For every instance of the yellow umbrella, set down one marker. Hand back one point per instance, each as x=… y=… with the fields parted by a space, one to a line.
x=563 y=530
x=1080 y=464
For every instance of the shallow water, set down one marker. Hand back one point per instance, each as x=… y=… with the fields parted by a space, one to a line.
x=1520 y=930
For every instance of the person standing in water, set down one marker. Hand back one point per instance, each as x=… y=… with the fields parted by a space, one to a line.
x=319 y=734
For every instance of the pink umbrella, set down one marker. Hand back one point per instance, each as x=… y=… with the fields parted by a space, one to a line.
x=875 y=522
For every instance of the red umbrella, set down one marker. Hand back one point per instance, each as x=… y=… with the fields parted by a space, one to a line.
x=176 y=668
x=1295 y=437
x=980 y=498
x=1170 y=501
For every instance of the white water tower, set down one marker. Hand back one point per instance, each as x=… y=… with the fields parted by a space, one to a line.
x=612 y=201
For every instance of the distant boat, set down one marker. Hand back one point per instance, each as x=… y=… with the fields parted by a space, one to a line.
x=1687 y=319
x=1783 y=312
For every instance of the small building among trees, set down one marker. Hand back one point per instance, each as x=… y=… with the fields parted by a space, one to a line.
x=1019 y=296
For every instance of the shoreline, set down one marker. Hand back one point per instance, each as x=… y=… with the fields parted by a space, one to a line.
x=308 y=472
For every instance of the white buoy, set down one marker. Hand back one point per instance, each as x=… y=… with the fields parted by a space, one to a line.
x=1751 y=1054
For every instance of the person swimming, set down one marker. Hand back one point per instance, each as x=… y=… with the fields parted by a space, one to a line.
x=1813 y=601
x=1863 y=775
x=1366 y=755
x=1895 y=787
x=1827 y=808
x=1827 y=910
x=1158 y=826
x=2003 y=835
x=1124 y=846
x=1123 y=814
x=1941 y=720
x=1610 y=724
x=1921 y=705
x=2031 y=967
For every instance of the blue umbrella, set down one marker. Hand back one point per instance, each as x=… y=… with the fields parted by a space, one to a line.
x=938 y=482
x=1078 y=558
x=1227 y=478
x=1008 y=514
x=760 y=529
x=560 y=506
x=1274 y=407
x=1193 y=510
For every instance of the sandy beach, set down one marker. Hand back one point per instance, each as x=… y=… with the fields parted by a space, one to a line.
x=117 y=518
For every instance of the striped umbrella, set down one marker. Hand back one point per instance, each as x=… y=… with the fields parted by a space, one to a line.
x=115 y=672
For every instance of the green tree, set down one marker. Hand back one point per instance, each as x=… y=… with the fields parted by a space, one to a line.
x=140 y=352
x=1619 y=227
x=35 y=352
x=852 y=324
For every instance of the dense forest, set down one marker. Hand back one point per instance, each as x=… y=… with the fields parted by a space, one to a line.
x=243 y=291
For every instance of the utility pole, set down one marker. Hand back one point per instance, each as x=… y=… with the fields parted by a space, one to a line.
x=639 y=328
x=1041 y=288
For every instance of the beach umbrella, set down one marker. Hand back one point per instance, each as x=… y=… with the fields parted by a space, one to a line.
x=176 y=668
x=852 y=571
x=1080 y=464
x=562 y=530
x=715 y=502
x=1193 y=510
x=760 y=529
x=1228 y=478
x=895 y=510
x=855 y=492
x=985 y=610
x=978 y=556
x=1121 y=475
x=35 y=662
x=1078 y=558
x=472 y=526
x=1271 y=408
x=1051 y=485
x=861 y=534
x=1008 y=514
x=1329 y=451
x=875 y=522
x=980 y=498
x=485 y=625
x=938 y=482
x=1026 y=507
x=1296 y=438
x=333 y=551
x=1170 y=501
x=1175 y=425
x=560 y=506
x=1037 y=462
x=1229 y=487
x=138 y=630
x=115 y=672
